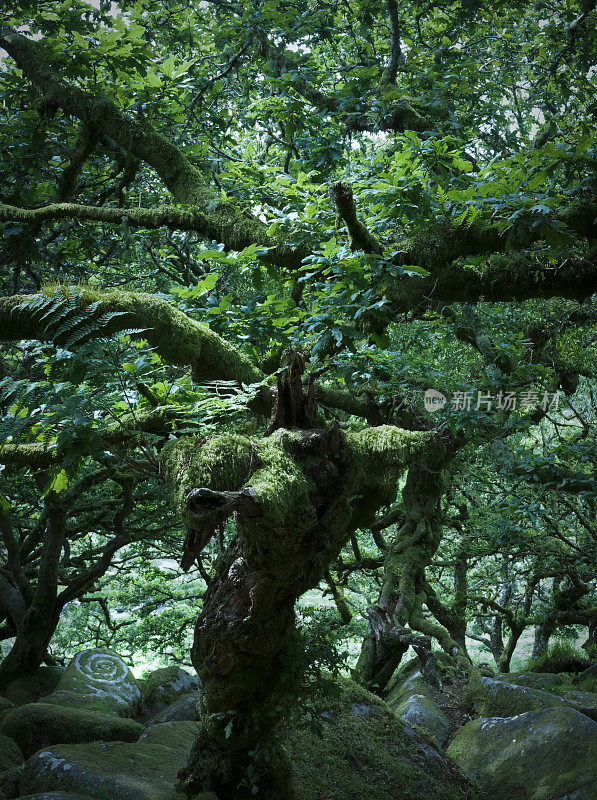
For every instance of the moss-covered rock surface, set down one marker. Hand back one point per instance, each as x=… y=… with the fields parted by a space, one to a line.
x=41 y=724
x=498 y=698
x=363 y=752
x=10 y=753
x=415 y=701
x=182 y=710
x=164 y=686
x=539 y=755
x=32 y=687
x=100 y=681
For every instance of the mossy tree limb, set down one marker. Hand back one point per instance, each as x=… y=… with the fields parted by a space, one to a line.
x=175 y=336
x=224 y=222
x=359 y=238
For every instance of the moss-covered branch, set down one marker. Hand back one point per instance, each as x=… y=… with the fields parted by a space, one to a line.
x=175 y=336
x=223 y=221
x=127 y=432
x=502 y=277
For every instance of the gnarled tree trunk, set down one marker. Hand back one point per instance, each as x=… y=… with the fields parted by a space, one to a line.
x=402 y=594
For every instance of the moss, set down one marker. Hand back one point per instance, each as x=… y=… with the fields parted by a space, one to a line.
x=106 y=770
x=220 y=463
x=281 y=487
x=175 y=336
x=229 y=462
x=378 y=455
x=176 y=735
x=163 y=686
x=364 y=751
x=497 y=698
x=537 y=755
x=98 y=680
x=425 y=716
x=10 y=753
x=41 y=724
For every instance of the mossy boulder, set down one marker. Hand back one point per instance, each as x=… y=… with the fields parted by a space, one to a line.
x=100 y=681
x=426 y=716
x=10 y=753
x=32 y=687
x=416 y=702
x=105 y=771
x=42 y=724
x=176 y=735
x=497 y=698
x=412 y=684
x=586 y=680
x=182 y=710
x=164 y=686
x=549 y=681
x=538 y=755
x=363 y=751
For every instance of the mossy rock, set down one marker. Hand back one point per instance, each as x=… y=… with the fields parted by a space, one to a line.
x=412 y=684
x=363 y=751
x=164 y=686
x=587 y=680
x=549 y=681
x=182 y=710
x=539 y=755
x=105 y=771
x=30 y=688
x=42 y=724
x=10 y=754
x=53 y=796
x=99 y=680
x=496 y=698
x=176 y=735
x=426 y=716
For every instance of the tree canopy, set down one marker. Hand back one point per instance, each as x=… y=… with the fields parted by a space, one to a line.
x=310 y=286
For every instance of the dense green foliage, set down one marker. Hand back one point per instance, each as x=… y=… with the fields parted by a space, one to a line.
x=403 y=192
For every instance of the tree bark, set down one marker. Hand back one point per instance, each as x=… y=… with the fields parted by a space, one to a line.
x=402 y=594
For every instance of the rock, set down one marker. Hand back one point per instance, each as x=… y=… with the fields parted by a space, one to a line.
x=416 y=702
x=100 y=681
x=53 y=796
x=164 y=686
x=496 y=698
x=412 y=684
x=181 y=710
x=42 y=724
x=547 y=681
x=105 y=770
x=427 y=717
x=10 y=754
x=363 y=751
x=30 y=688
x=587 y=679
x=177 y=735
x=538 y=755
x=5 y=705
